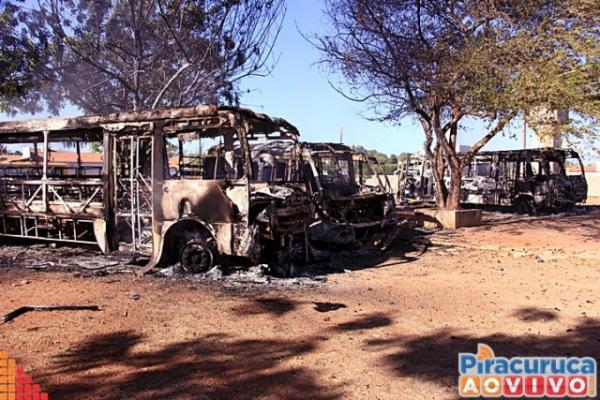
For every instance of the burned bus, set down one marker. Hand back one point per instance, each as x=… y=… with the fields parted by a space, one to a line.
x=529 y=180
x=526 y=181
x=353 y=193
x=171 y=186
x=352 y=197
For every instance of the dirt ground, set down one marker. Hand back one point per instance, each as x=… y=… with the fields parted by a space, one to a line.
x=378 y=326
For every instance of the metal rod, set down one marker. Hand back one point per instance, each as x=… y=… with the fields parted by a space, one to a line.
x=137 y=191
x=51 y=188
x=30 y=200
x=78 y=158
x=132 y=193
x=89 y=200
x=45 y=172
x=50 y=239
x=524 y=133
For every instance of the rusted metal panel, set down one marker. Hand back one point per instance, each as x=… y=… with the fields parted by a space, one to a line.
x=205 y=200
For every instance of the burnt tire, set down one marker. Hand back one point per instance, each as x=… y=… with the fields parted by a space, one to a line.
x=525 y=206
x=286 y=263
x=196 y=257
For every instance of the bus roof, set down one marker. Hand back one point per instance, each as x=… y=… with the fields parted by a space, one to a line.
x=526 y=153
x=184 y=119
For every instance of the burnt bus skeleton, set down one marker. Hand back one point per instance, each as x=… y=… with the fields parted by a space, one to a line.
x=352 y=210
x=193 y=213
x=415 y=183
x=281 y=208
x=348 y=211
x=528 y=181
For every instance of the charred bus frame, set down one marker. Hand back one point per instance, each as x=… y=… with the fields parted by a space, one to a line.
x=528 y=180
x=337 y=178
x=137 y=203
x=348 y=210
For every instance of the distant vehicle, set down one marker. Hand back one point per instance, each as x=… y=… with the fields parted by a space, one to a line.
x=528 y=181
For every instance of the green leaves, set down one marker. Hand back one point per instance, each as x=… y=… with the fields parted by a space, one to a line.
x=21 y=58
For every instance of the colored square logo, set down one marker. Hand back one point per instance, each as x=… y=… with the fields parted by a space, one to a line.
x=469 y=386
x=556 y=385
x=514 y=386
x=491 y=386
x=577 y=386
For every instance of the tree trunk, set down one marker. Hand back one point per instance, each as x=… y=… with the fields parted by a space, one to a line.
x=453 y=200
x=441 y=193
x=438 y=169
x=448 y=198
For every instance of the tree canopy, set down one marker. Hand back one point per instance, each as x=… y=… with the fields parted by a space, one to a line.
x=106 y=55
x=389 y=163
x=442 y=62
x=22 y=54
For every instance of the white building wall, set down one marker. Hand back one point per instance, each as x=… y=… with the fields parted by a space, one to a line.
x=593 y=179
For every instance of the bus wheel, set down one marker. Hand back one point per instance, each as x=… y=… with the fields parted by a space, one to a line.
x=196 y=257
x=525 y=205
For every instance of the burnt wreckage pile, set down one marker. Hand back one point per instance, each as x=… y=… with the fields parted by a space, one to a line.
x=192 y=185
x=528 y=181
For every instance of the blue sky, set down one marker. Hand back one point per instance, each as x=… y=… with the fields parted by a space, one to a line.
x=298 y=90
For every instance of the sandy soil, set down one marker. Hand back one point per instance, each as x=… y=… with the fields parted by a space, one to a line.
x=388 y=327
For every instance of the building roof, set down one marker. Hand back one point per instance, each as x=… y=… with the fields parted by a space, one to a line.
x=54 y=158
x=591 y=168
x=586 y=168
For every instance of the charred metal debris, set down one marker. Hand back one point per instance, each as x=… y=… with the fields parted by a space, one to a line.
x=528 y=181
x=190 y=186
x=25 y=309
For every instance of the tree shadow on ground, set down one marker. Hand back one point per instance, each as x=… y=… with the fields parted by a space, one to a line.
x=434 y=357
x=584 y=219
x=275 y=306
x=532 y=314
x=214 y=366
